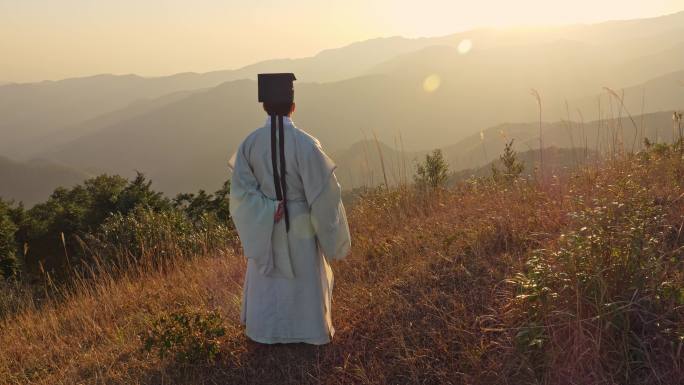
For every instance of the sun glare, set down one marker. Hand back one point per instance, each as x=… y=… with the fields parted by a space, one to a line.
x=465 y=46
x=432 y=83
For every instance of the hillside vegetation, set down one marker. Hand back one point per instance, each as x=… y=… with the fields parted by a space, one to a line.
x=573 y=279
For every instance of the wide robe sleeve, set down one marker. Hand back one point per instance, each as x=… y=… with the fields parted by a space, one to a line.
x=329 y=221
x=252 y=213
x=324 y=196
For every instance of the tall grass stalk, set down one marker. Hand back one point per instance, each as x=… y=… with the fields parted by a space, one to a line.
x=369 y=182
x=537 y=97
x=382 y=159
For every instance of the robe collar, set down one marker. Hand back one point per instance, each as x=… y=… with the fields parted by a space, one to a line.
x=286 y=120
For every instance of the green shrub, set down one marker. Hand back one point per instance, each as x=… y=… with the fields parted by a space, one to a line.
x=195 y=206
x=512 y=167
x=433 y=172
x=614 y=273
x=190 y=336
x=9 y=264
x=70 y=214
x=158 y=235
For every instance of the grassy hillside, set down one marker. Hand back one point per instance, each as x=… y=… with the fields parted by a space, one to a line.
x=574 y=280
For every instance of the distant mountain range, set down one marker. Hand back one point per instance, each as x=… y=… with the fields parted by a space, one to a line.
x=557 y=161
x=32 y=110
x=180 y=130
x=364 y=163
x=185 y=144
x=33 y=182
x=361 y=164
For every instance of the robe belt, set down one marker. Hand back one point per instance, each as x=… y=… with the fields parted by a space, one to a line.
x=279 y=178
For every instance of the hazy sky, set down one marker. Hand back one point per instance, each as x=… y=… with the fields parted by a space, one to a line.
x=54 y=39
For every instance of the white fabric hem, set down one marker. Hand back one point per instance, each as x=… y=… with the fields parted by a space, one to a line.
x=281 y=340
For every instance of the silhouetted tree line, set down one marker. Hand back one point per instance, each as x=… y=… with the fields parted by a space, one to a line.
x=104 y=214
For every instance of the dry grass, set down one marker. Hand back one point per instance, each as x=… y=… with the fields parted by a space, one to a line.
x=425 y=297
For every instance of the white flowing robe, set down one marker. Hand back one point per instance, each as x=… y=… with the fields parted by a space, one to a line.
x=288 y=285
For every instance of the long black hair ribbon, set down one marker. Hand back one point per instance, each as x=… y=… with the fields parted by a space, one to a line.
x=283 y=184
x=274 y=160
x=279 y=178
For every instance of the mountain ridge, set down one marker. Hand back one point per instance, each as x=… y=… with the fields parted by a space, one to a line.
x=33 y=182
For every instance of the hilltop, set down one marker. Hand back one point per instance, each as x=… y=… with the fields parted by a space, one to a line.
x=483 y=283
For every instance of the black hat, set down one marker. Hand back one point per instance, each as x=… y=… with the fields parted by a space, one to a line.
x=276 y=88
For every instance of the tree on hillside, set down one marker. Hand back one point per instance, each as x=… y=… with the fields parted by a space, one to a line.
x=9 y=264
x=71 y=213
x=197 y=205
x=107 y=208
x=433 y=172
x=139 y=192
x=194 y=223
x=104 y=192
x=512 y=167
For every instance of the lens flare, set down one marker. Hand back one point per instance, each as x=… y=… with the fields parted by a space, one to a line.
x=465 y=46
x=432 y=83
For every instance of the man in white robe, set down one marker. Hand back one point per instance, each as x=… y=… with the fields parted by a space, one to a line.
x=288 y=284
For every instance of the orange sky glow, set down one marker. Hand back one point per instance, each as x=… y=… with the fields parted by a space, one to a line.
x=57 y=39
